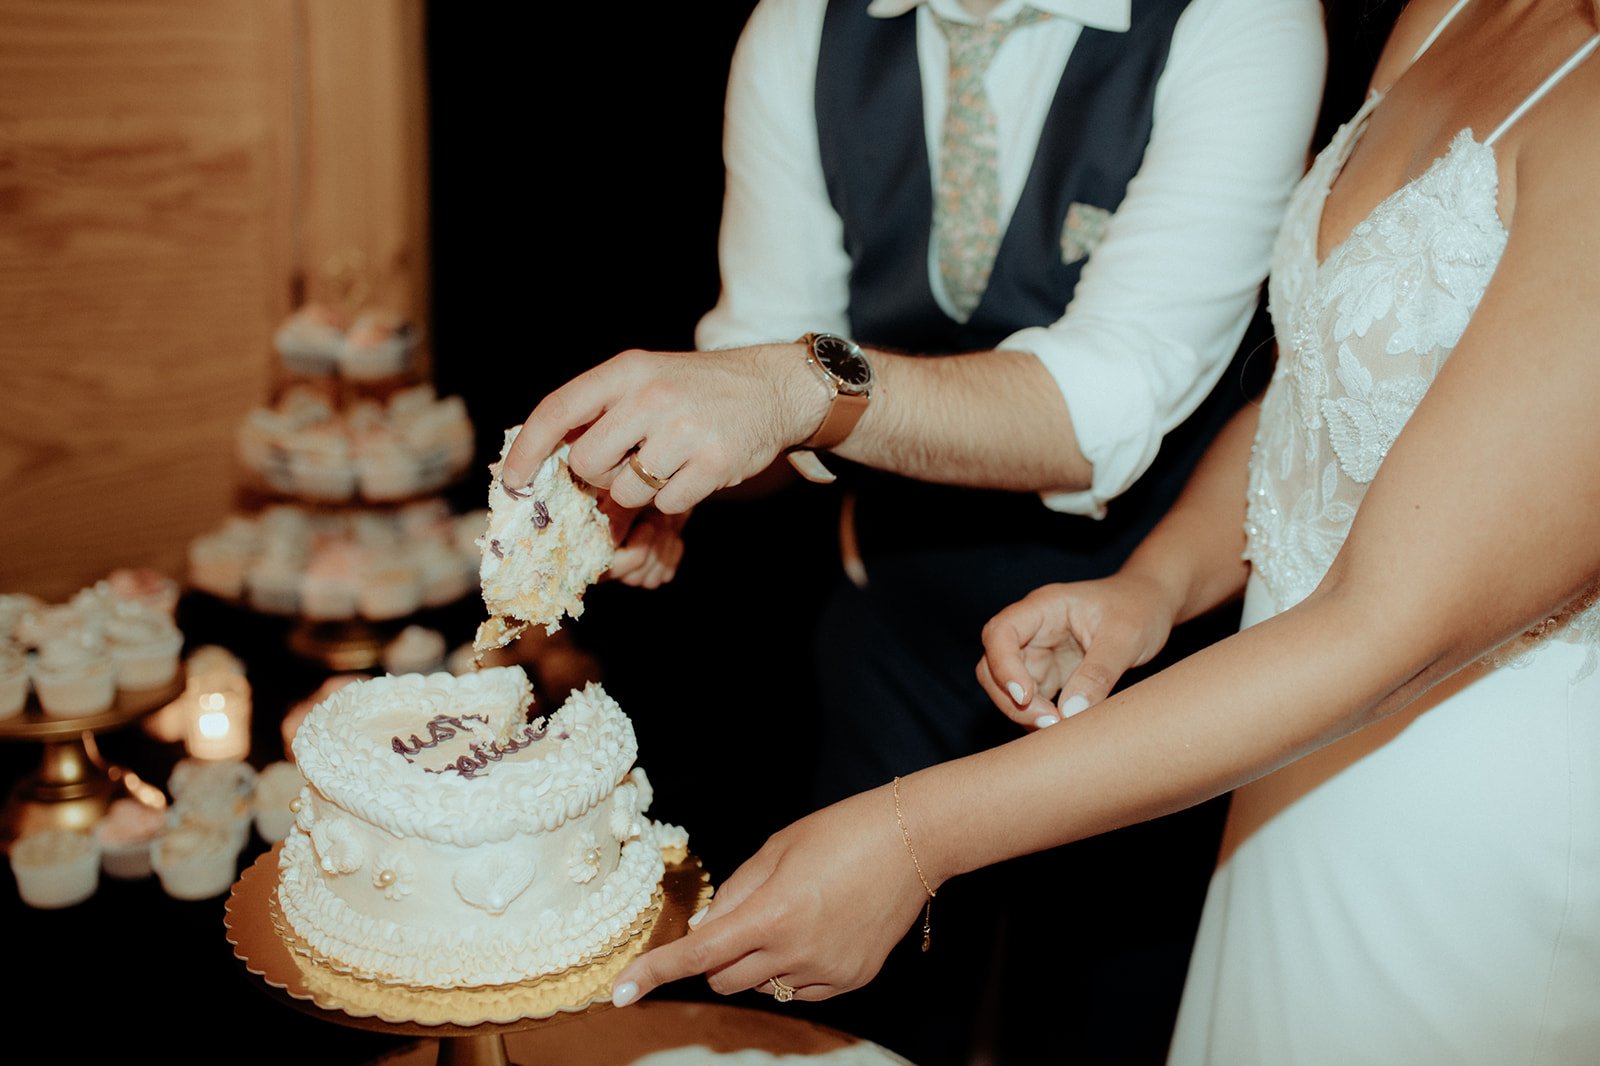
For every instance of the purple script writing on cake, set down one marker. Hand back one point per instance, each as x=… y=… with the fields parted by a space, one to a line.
x=443 y=727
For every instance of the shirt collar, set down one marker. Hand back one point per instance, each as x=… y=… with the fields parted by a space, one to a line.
x=1111 y=15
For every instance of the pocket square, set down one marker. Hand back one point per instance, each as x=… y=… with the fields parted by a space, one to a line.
x=1083 y=230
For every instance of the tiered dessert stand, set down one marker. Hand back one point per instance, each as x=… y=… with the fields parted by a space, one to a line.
x=469 y=1023
x=73 y=786
x=355 y=643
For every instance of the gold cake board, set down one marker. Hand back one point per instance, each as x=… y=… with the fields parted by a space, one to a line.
x=470 y=1022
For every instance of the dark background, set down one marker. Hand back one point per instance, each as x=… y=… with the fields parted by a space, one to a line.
x=576 y=181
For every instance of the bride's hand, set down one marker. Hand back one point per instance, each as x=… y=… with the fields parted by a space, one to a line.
x=649 y=544
x=818 y=907
x=1075 y=639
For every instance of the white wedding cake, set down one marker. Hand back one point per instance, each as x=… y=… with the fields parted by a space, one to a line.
x=445 y=840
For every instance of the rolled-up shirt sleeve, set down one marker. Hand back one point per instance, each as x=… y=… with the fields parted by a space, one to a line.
x=781 y=248
x=1164 y=299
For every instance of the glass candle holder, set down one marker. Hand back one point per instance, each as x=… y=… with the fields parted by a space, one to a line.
x=217 y=717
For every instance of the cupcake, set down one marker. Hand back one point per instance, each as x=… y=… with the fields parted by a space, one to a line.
x=439 y=568
x=14 y=606
x=309 y=341
x=126 y=834
x=379 y=345
x=144 y=647
x=320 y=464
x=329 y=587
x=80 y=619
x=417 y=650
x=73 y=675
x=273 y=582
x=143 y=586
x=387 y=471
x=213 y=793
x=463 y=659
x=56 y=867
x=440 y=437
x=276 y=788
x=212 y=784
x=424 y=518
x=217 y=564
x=13 y=681
x=389 y=589
x=195 y=860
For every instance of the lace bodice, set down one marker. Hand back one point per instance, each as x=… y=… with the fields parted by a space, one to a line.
x=1361 y=337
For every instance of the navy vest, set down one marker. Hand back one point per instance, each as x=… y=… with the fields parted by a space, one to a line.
x=874 y=157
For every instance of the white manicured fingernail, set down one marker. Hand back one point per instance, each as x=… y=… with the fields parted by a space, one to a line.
x=624 y=994
x=1074 y=705
x=694 y=919
x=1018 y=696
x=1045 y=719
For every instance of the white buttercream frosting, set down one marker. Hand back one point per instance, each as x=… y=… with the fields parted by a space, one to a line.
x=344 y=747
x=545 y=545
x=403 y=869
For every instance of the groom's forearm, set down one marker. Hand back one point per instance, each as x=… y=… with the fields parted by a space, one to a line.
x=987 y=420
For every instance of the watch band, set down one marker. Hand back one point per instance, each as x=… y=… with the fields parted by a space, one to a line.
x=808 y=466
x=843 y=414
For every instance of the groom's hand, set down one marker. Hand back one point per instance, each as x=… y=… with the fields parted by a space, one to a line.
x=698 y=421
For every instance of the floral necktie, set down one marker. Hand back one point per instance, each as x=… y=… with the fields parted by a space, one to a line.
x=966 y=214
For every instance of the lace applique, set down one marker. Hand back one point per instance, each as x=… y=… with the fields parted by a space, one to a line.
x=1578 y=623
x=1363 y=423
x=1365 y=333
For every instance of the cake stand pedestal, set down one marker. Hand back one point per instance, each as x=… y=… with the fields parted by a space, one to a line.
x=344 y=646
x=73 y=786
x=470 y=1023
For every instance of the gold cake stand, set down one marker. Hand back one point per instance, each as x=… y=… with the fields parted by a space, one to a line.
x=470 y=1023
x=73 y=785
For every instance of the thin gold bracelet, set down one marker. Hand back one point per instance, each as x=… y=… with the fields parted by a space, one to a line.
x=927 y=911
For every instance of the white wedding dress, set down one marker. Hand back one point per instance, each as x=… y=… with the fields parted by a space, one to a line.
x=1426 y=892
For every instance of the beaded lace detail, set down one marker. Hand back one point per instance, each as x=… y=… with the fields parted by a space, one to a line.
x=1362 y=335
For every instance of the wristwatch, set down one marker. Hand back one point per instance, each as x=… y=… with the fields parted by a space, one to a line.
x=847 y=375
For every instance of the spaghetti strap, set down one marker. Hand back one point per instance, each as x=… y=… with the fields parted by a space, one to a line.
x=1549 y=83
x=1437 y=30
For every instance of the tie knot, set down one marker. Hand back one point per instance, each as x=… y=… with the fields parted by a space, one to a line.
x=973 y=44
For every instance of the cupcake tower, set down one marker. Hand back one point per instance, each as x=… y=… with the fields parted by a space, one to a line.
x=191 y=846
x=340 y=520
x=117 y=635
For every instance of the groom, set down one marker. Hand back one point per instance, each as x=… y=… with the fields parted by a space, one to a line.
x=1065 y=210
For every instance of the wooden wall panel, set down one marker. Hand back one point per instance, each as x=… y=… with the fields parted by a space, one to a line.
x=157 y=179
x=363 y=222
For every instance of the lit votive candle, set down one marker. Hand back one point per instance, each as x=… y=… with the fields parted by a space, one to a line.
x=217 y=717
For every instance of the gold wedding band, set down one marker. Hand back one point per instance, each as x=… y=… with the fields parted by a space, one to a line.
x=644 y=475
x=780 y=991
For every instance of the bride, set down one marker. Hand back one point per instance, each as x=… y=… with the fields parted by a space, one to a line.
x=1410 y=718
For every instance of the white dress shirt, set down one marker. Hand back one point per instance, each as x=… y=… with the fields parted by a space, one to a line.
x=1163 y=299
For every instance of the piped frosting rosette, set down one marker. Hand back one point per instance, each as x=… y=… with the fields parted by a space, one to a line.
x=445 y=840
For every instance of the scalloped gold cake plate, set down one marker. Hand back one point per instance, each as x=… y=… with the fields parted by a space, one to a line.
x=263 y=941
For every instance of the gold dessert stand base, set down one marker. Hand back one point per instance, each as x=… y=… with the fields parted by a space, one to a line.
x=73 y=785
x=470 y=1023
x=344 y=646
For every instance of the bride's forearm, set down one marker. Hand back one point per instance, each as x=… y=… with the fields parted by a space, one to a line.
x=1219 y=719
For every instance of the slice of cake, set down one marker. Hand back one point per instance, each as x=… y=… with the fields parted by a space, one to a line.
x=545 y=545
x=446 y=840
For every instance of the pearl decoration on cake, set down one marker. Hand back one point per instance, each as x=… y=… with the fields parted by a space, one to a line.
x=393 y=875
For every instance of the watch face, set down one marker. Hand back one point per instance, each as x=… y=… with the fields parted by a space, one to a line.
x=844 y=361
